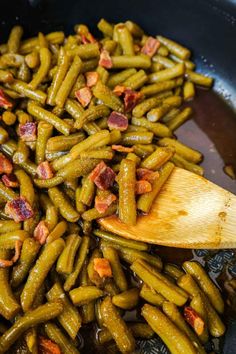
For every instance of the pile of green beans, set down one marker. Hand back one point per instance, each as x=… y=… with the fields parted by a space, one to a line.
x=50 y=280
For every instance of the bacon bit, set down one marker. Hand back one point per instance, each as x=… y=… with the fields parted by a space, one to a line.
x=84 y=96
x=4 y=102
x=117 y=121
x=5 y=165
x=19 y=209
x=142 y=187
x=146 y=174
x=194 y=320
x=119 y=90
x=103 y=176
x=46 y=346
x=41 y=232
x=102 y=202
x=10 y=181
x=44 y=170
x=91 y=78
x=151 y=46
x=4 y=263
x=88 y=38
x=121 y=148
x=105 y=59
x=102 y=267
x=18 y=245
x=131 y=99
x=28 y=131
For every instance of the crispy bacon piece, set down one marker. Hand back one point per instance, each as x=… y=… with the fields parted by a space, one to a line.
x=84 y=95
x=28 y=131
x=142 y=187
x=44 y=170
x=4 y=102
x=131 y=99
x=5 y=263
x=102 y=202
x=46 y=346
x=91 y=78
x=19 y=209
x=102 y=267
x=117 y=121
x=119 y=90
x=103 y=176
x=10 y=181
x=146 y=174
x=41 y=232
x=5 y=165
x=195 y=321
x=105 y=59
x=121 y=148
x=87 y=38
x=18 y=245
x=150 y=47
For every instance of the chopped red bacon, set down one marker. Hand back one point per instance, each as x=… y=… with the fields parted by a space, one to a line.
x=102 y=202
x=146 y=174
x=142 y=187
x=195 y=321
x=44 y=170
x=103 y=176
x=91 y=78
x=5 y=165
x=150 y=47
x=84 y=96
x=102 y=267
x=19 y=209
x=41 y=232
x=119 y=90
x=131 y=99
x=46 y=346
x=121 y=148
x=4 y=102
x=18 y=245
x=117 y=121
x=10 y=181
x=28 y=131
x=105 y=59
x=88 y=38
x=5 y=263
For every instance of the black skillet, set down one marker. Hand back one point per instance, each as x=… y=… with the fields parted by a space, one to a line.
x=208 y=27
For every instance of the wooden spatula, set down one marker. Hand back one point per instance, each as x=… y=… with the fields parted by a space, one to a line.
x=189 y=212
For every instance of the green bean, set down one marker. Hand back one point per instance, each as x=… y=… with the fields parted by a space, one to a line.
x=14 y=39
x=32 y=59
x=31 y=340
x=164 y=61
x=6 y=76
x=85 y=51
x=87 y=191
x=188 y=90
x=41 y=314
x=136 y=81
x=155 y=67
x=199 y=79
x=91 y=128
x=103 y=74
x=29 y=167
x=107 y=236
x=64 y=143
x=151 y=296
x=57 y=336
x=103 y=153
x=175 y=48
x=22 y=152
x=57 y=232
x=105 y=27
x=44 y=133
x=167 y=104
x=92 y=114
x=77 y=168
x=32 y=43
x=134 y=29
x=173 y=271
x=181 y=162
x=93 y=275
x=4 y=137
x=24 y=73
x=173 y=337
x=158 y=158
x=133 y=157
x=85 y=294
x=66 y=260
x=142 y=108
x=99 y=139
x=167 y=74
x=26 y=186
x=45 y=62
x=175 y=316
x=80 y=207
x=127 y=204
x=159 y=282
x=188 y=64
x=104 y=94
x=181 y=118
x=127 y=61
x=80 y=82
x=145 y=201
x=126 y=300
x=206 y=284
x=63 y=66
x=8 y=226
x=48 y=183
x=137 y=138
x=198 y=305
x=59 y=199
x=158 y=129
x=11 y=60
x=7 y=193
x=39 y=272
x=89 y=65
x=72 y=277
x=70 y=318
x=117 y=271
x=125 y=39
x=22 y=88
x=74 y=108
x=153 y=89
x=9 y=307
x=92 y=214
x=118 y=328
x=122 y=76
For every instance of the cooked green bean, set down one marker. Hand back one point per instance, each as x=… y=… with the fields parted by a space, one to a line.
x=101 y=153
x=136 y=81
x=41 y=314
x=59 y=199
x=151 y=296
x=44 y=133
x=173 y=271
x=8 y=226
x=157 y=113
x=104 y=94
x=164 y=61
x=3 y=135
x=158 y=158
x=66 y=260
x=57 y=336
x=79 y=167
x=198 y=305
x=182 y=117
x=158 y=129
x=57 y=232
x=13 y=43
x=181 y=162
x=175 y=48
x=125 y=39
x=167 y=74
x=199 y=79
x=188 y=90
x=85 y=294
x=105 y=27
x=137 y=138
x=64 y=143
x=22 y=152
x=6 y=76
x=45 y=62
x=92 y=114
x=85 y=51
x=32 y=43
x=22 y=88
x=93 y=213
x=186 y=152
x=118 y=78
x=7 y=193
x=24 y=73
x=136 y=61
x=126 y=300
x=153 y=89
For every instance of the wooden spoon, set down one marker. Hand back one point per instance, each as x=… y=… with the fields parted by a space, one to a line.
x=189 y=212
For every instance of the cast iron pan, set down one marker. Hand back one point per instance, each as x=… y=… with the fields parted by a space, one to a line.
x=208 y=27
